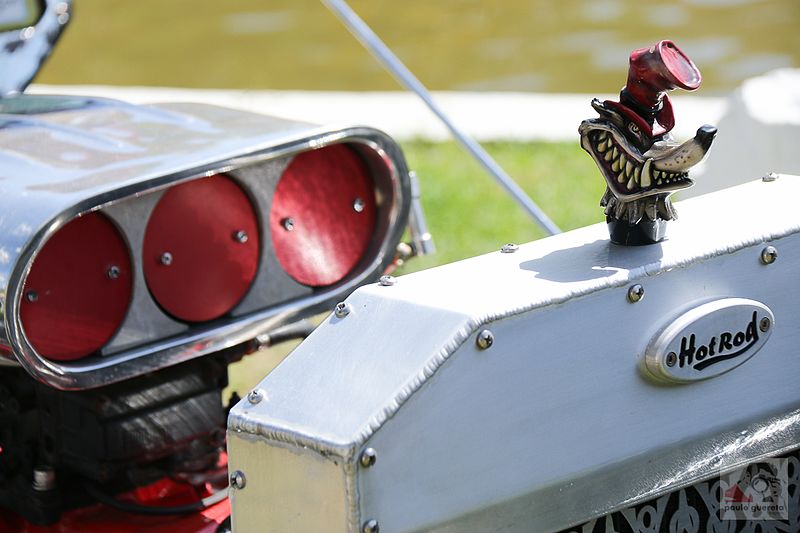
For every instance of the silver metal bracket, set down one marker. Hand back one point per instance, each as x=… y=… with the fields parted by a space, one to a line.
x=421 y=238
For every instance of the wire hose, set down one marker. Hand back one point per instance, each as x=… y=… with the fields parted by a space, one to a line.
x=154 y=510
x=296 y=330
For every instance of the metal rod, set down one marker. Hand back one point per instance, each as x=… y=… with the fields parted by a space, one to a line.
x=381 y=52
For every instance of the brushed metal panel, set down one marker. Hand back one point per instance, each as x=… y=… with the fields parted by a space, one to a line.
x=560 y=396
x=555 y=422
x=298 y=490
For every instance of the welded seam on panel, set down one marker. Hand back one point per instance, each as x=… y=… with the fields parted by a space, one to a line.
x=238 y=427
x=435 y=362
x=647 y=270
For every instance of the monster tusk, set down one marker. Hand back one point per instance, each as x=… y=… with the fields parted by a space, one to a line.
x=646 y=172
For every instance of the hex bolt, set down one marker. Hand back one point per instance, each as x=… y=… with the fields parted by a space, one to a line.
x=44 y=478
x=238 y=481
x=387 y=281
x=370 y=526
x=768 y=255
x=764 y=324
x=341 y=310
x=241 y=236
x=166 y=259
x=635 y=293
x=288 y=223
x=113 y=272
x=32 y=296
x=255 y=396
x=368 y=457
x=772 y=176
x=485 y=339
x=672 y=359
x=509 y=248
x=358 y=205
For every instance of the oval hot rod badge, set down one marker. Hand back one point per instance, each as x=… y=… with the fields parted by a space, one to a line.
x=709 y=340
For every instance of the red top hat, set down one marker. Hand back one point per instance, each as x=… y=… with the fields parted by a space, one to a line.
x=653 y=71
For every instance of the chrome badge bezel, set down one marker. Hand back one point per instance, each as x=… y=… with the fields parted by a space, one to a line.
x=709 y=340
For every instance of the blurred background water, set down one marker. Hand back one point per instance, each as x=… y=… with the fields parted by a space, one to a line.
x=475 y=45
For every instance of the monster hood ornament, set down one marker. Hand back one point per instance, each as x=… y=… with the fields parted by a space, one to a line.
x=634 y=150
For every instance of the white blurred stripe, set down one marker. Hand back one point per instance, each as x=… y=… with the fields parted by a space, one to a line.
x=483 y=115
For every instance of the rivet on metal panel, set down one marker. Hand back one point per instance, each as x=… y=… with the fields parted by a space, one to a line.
x=368 y=457
x=672 y=358
x=772 y=176
x=44 y=478
x=635 y=293
x=341 y=310
x=166 y=259
x=255 y=396
x=764 y=324
x=31 y=296
x=240 y=236
x=238 y=481
x=485 y=339
x=113 y=272
x=358 y=205
x=370 y=526
x=768 y=255
x=388 y=281
x=288 y=223
x=509 y=248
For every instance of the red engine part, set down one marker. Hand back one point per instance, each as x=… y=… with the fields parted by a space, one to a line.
x=78 y=289
x=323 y=215
x=201 y=248
x=100 y=518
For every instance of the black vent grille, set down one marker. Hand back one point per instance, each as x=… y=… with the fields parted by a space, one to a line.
x=696 y=509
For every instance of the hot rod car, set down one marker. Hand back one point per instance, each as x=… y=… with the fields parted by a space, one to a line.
x=569 y=384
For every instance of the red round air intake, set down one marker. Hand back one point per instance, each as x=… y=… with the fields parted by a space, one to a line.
x=323 y=215
x=78 y=289
x=201 y=248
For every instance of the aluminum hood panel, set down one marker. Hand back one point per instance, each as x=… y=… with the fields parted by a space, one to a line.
x=556 y=422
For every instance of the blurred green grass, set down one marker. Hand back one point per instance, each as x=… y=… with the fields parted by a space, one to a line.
x=469 y=214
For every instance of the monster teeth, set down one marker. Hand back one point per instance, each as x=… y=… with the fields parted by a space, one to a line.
x=614 y=152
x=609 y=155
x=621 y=177
x=616 y=166
x=630 y=184
x=601 y=136
x=645 y=178
x=629 y=169
x=601 y=147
